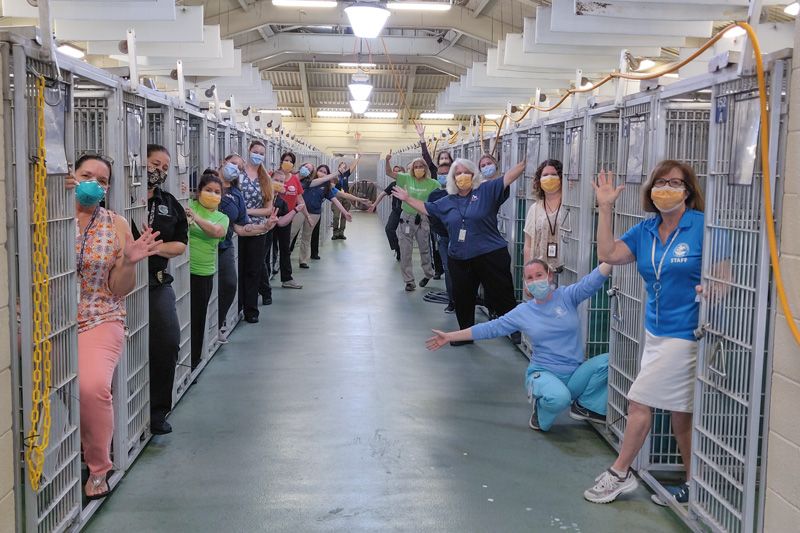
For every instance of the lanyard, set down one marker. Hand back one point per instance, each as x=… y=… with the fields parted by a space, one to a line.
x=553 y=224
x=466 y=209
x=86 y=238
x=657 y=271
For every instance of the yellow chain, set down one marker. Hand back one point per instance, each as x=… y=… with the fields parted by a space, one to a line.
x=39 y=434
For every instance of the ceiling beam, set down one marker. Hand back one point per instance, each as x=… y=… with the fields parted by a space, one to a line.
x=412 y=78
x=339 y=89
x=400 y=63
x=306 y=98
x=236 y=22
x=482 y=6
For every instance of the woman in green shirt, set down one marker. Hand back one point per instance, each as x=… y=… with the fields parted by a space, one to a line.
x=207 y=227
x=413 y=224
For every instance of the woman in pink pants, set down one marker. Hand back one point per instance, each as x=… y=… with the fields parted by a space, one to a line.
x=106 y=263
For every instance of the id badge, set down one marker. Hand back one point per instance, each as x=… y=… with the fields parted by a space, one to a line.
x=462 y=235
x=552 y=250
x=408 y=229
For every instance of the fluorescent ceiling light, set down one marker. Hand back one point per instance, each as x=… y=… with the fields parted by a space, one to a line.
x=357 y=65
x=360 y=87
x=283 y=112
x=792 y=9
x=437 y=116
x=71 y=51
x=334 y=114
x=359 y=106
x=646 y=64
x=366 y=21
x=381 y=114
x=304 y=3
x=738 y=31
x=419 y=6
x=491 y=116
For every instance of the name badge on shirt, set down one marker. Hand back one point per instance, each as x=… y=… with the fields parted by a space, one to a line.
x=462 y=235
x=552 y=250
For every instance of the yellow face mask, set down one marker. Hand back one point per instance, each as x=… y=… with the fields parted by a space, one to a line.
x=419 y=173
x=667 y=199
x=464 y=181
x=550 y=183
x=287 y=166
x=209 y=200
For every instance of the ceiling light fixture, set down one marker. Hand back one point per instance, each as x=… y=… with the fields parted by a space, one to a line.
x=359 y=106
x=381 y=114
x=792 y=9
x=304 y=3
x=360 y=88
x=645 y=64
x=436 y=116
x=419 y=6
x=282 y=112
x=491 y=116
x=334 y=114
x=71 y=51
x=357 y=65
x=366 y=21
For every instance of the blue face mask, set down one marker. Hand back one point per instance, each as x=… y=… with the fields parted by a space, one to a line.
x=442 y=179
x=540 y=289
x=89 y=193
x=304 y=172
x=230 y=171
x=488 y=171
x=256 y=159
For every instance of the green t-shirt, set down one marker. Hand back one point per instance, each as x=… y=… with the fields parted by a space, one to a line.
x=202 y=248
x=419 y=189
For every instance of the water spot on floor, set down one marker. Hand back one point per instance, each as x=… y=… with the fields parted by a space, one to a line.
x=485 y=486
x=490 y=500
x=336 y=511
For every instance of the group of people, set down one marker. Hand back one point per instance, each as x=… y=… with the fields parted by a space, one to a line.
x=460 y=207
x=268 y=211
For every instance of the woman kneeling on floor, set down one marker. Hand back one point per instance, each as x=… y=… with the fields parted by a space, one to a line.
x=559 y=375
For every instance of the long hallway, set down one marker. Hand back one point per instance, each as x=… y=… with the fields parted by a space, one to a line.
x=330 y=415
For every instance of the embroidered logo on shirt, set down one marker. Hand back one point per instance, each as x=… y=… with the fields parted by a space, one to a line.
x=560 y=312
x=163 y=210
x=474 y=198
x=681 y=250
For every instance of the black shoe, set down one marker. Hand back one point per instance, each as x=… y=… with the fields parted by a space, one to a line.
x=251 y=319
x=161 y=427
x=533 y=423
x=343 y=237
x=304 y=265
x=397 y=254
x=410 y=287
x=450 y=309
x=579 y=412
x=266 y=300
x=316 y=257
x=437 y=276
x=461 y=343
x=335 y=237
x=424 y=281
x=516 y=337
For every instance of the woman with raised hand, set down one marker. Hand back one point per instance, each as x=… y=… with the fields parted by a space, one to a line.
x=545 y=216
x=393 y=220
x=489 y=167
x=342 y=184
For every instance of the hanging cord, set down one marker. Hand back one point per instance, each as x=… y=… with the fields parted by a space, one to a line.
x=38 y=437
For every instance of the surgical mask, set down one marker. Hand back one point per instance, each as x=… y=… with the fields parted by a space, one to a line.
x=155 y=177
x=89 y=193
x=230 y=171
x=287 y=166
x=489 y=170
x=539 y=288
x=442 y=179
x=419 y=173
x=209 y=200
x=667 y=199
x=304 y=172
x=550 y=183
x=256 y=159
x=464 y=181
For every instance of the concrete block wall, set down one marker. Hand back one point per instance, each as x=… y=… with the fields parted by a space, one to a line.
x=782 y=511
x=7 y=503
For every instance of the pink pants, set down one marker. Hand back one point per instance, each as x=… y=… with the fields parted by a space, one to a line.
x=99 y=350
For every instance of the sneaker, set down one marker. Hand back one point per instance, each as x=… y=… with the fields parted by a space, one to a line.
x=579 y=412
x=316 y=257
x=304 y=265
x=291 y=284
x=266 y=300
x=410 y=287
x=533 y=423
x=461 y=343
x=437 y=276
x=450 y=309
x=251 y=319
x=608 y=486
x=160 y=427
x=424 y=281
x=222 y=338
x=679 y=492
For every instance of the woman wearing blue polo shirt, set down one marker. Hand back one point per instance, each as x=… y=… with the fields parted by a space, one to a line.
x=477 y=252
x=668 y=251
x=559 y=375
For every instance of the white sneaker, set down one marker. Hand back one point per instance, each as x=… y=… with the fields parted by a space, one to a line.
x=608 y=486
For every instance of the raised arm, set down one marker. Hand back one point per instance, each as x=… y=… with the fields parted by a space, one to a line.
x=355 y=163
x=588 y=285
x=389 y=171
x=609 y=250
x=321 y=181
x=512 y=175
x=402 y=195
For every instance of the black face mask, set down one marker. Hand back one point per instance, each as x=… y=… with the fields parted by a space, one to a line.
x=155 y=178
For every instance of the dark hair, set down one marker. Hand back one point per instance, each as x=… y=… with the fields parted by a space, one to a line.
x=256 y=142
x=448 y=165
x=328 y=184
x=401 y=167
x=536 y=187
x=539 y=261
x=693 y=201
x=209 y=176
x=326 y=167
x=94 y=157
x=439 y=157
x=153 y=148
x=290 y=155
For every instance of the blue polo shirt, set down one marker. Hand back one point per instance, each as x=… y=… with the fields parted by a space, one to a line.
x=344 y=181
x=475 y=212
x=233 y=205
x=436 y=225
x=314 y=196
x=678 y=310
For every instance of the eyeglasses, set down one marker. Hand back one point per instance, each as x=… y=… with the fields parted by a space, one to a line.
x=675 y=183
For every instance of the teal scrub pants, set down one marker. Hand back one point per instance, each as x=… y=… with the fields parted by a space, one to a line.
x=555 y=392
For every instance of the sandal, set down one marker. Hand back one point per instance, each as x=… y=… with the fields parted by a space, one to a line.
x=95 y=482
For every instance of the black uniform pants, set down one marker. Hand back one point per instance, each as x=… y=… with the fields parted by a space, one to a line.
x=391 y=229
x=164 y=344
x=251 y=264
x=284 y=236
x=438 y=268
x=264 y=288
x=201 y=287
x=493 y=271
x=315 y=240
x=227 y=282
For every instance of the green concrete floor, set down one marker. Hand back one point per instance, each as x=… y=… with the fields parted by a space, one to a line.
x=330 y=415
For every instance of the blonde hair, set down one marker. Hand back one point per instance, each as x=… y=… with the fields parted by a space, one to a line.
x=477 y=178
